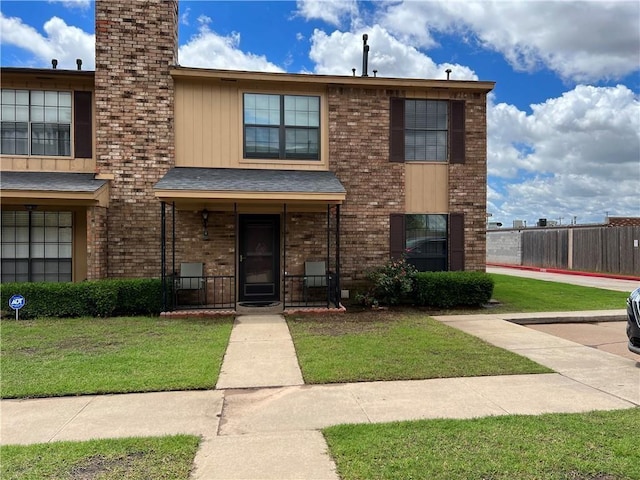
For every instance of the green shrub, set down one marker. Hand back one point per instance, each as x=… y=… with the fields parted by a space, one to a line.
x=100 y=298
x=139 y=297
x=390 y=284
x=453 y=289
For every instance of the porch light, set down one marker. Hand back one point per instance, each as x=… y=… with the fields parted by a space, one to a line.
x=205 y=223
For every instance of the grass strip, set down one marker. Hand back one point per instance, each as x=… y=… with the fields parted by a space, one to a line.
x=112 y=459
x=517 y=294
x=372 y=346
x=595 y=445
x=54 y=357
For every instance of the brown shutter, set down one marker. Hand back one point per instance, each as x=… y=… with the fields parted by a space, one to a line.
x=456 y=131
x=396 y=132
x=82 y=125
x=396 y=236
x=456 y=241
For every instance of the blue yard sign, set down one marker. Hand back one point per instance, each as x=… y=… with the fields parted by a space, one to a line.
x=17 y=302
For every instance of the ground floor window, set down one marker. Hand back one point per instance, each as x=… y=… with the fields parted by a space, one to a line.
x=37 y=246
x=421 y=239
x=426 y=242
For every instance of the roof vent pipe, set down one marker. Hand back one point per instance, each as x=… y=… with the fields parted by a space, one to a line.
x=54 y=63
x=79 y=63
x=365 y=56
x=354 y=71
x=448 y=72
x=375 y=73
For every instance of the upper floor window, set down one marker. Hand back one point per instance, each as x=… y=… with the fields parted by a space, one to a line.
x=36 y=122
x=427 y=130
x=426 y=127
x=281 y=126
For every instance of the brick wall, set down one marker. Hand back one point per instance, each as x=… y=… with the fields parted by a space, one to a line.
x=136 y=42
x=623 y=221
x=359 y=155
x=97 y=243
x=468 y=181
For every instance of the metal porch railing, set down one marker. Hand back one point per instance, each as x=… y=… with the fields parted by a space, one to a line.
x=300 y=291
x=214 y=292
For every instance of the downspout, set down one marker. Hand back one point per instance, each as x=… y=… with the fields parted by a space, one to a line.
x=284 y=259
x=237 y=259
x=327 y=276
x=173 y=251
x=163 y=255
x=338 y=288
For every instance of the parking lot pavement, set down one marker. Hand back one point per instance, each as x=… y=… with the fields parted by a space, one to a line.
x=606 y=336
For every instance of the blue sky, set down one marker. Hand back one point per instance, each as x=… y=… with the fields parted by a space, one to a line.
x=563 y=120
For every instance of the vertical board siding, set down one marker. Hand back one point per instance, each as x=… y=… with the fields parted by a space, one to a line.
x=598 y=249
x=427 y=189
x=545 y=248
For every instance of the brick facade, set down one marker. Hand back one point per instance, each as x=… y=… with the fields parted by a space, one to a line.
x=97 y=243
x=468 y=181
x=136 y=42
x=359 y=155
x=623 y=221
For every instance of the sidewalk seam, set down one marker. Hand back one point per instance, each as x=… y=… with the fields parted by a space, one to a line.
x=57 y=432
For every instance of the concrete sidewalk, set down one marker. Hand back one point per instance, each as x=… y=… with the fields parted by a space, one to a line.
x=574 y=278
x=272 y=433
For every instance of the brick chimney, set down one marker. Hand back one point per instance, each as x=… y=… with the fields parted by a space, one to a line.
x=136 y=44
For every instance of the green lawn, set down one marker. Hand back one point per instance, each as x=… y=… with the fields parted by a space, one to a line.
x=368 y=346
x=113 y=459
x=596 y=445
x=518 y=294
x=54 y=357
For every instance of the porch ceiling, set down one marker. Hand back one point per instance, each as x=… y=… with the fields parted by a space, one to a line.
x=49 y=188
x=236 y=185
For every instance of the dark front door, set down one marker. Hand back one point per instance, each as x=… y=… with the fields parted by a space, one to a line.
x=259 y=258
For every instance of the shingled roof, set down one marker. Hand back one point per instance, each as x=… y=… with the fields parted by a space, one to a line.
x=50 y=181
x=250 y=180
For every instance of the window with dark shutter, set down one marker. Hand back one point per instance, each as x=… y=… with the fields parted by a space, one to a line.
x=396 y=133
x=457 y=131
x=82 y=125
x=396 y=236
x=456 y=241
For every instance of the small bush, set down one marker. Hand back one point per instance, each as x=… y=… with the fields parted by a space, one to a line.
x=453 y=289
x=101 y=298
x=390 y=284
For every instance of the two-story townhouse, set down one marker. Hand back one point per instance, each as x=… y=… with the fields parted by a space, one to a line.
x=48 y=182
x=246 y=181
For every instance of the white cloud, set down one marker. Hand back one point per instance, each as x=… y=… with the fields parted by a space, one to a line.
x=82 y=4
x=337 y=53
x=576 y=153
x=580 y=41
x=329 y=11
x=184 y=16
x=207 y=49
x=62 y=41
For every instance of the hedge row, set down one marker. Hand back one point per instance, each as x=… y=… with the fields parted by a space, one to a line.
x=453 y=289
x=101 y=298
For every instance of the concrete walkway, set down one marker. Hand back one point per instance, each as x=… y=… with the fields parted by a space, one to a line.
x=582 y=280
x=260 y=354
x=251 y=432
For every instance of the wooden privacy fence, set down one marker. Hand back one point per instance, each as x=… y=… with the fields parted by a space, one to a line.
x=598 y=249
